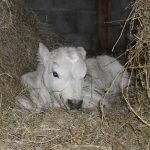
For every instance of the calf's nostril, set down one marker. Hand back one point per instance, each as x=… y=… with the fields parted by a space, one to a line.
x=79 y=104
x=70 y=102
x=75 y=104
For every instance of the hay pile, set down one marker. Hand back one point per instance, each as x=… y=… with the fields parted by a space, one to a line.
x=20 y=33
x=139 y=60
x=120 y=129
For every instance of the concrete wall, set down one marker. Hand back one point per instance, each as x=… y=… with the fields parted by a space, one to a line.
x=119 y=12
x=75 y=20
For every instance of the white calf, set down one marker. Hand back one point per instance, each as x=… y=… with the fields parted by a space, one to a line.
x=59 y=79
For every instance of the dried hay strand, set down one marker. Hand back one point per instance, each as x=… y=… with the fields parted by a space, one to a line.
x=55 y=128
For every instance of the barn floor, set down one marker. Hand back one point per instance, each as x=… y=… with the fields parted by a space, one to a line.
x=84 y=129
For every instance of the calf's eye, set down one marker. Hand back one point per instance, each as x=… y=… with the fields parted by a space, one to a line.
x=55 y=74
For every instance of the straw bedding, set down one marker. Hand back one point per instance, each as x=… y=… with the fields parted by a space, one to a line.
x=124 y=127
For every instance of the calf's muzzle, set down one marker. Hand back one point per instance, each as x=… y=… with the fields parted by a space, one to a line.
x=75 y=104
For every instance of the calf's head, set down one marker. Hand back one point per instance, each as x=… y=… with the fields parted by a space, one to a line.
x=64 y=72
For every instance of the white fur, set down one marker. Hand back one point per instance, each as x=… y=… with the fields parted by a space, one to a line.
x=71 y=66
x=104 y=73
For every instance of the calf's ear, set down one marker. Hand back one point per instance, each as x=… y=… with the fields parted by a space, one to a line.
x=82 y=52
x=43 y=53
